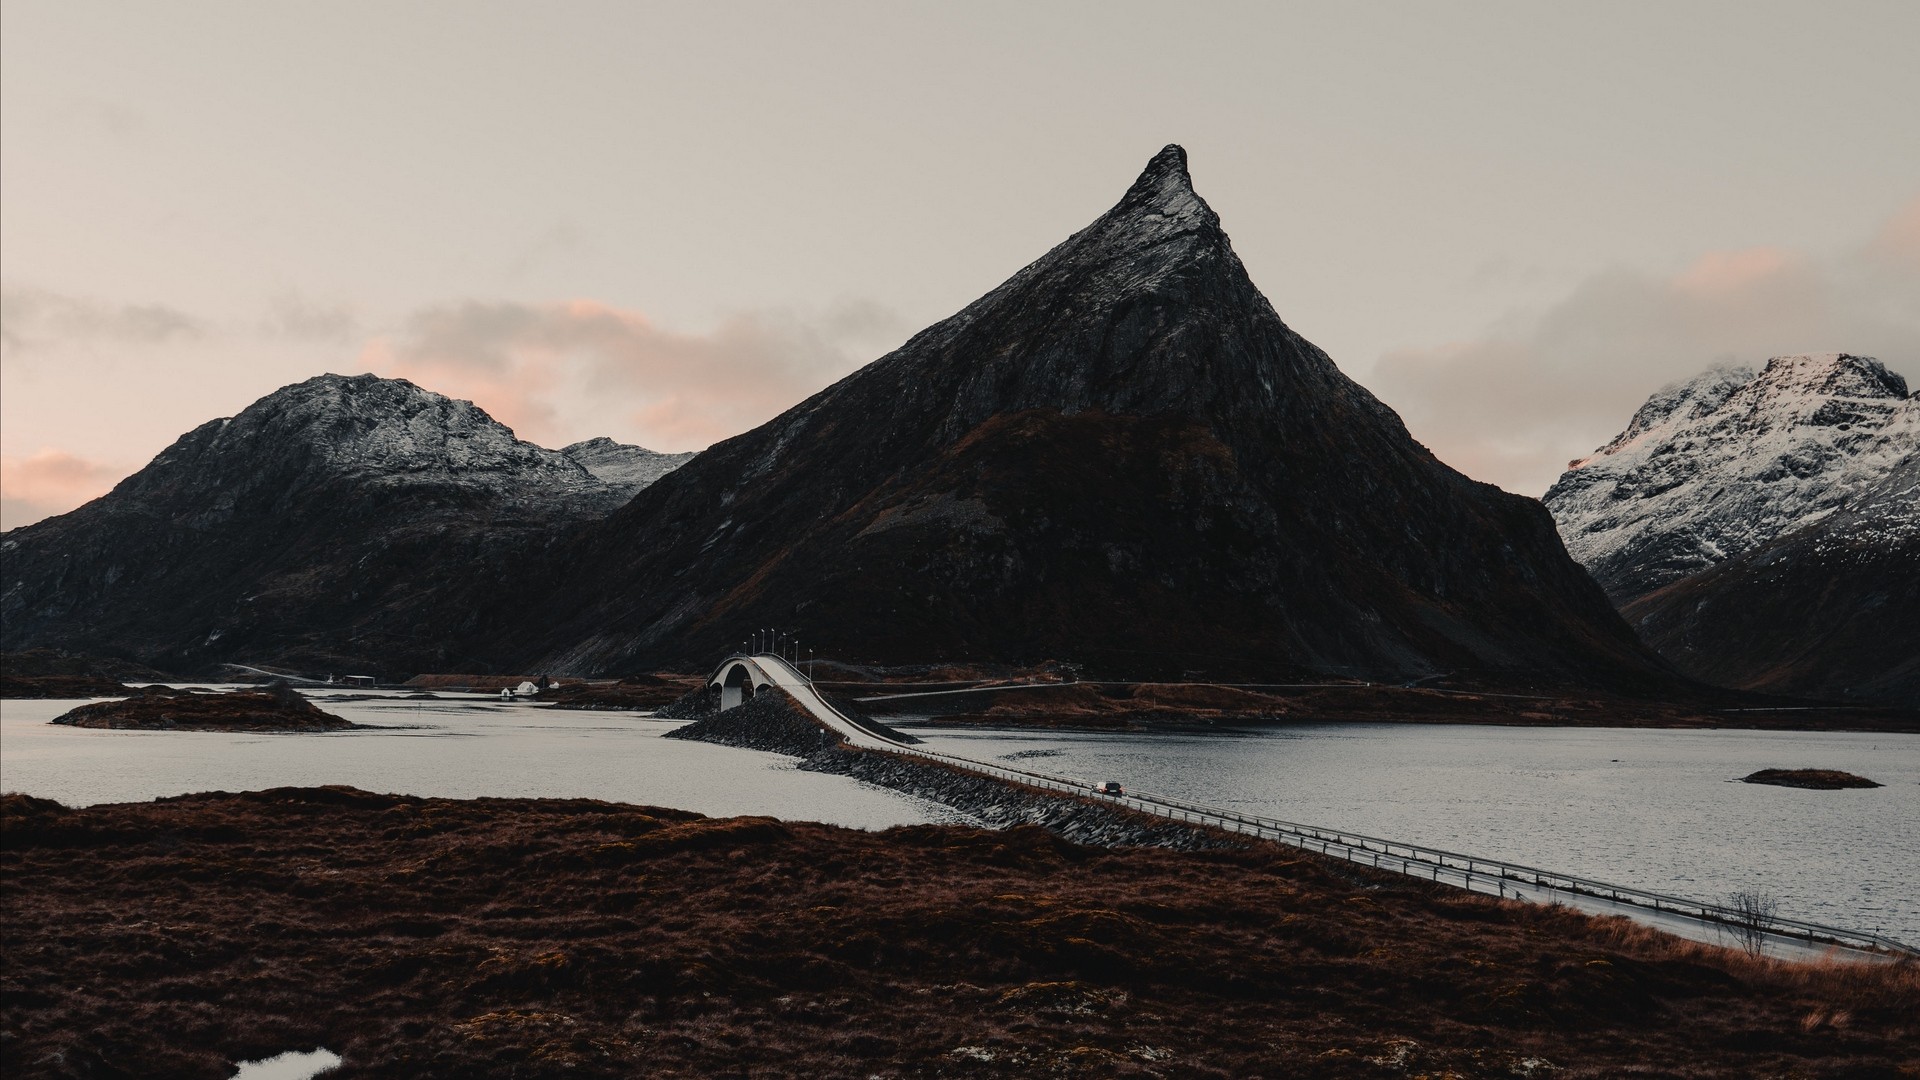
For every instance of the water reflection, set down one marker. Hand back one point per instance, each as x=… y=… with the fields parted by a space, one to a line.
x=460 y=747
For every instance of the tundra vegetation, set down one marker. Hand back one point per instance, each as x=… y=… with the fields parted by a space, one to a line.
x=508 y=937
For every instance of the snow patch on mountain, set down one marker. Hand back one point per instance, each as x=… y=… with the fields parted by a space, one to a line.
x=1725 y=462
x=623 y=465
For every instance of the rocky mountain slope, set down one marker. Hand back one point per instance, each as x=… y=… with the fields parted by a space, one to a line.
x=320 y=527
x=1830 y=610
x=1760 y=529
x=1724 y=463
x=1122 y=456
x=621 y=466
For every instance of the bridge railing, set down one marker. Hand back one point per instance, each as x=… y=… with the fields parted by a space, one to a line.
x=1416 y=860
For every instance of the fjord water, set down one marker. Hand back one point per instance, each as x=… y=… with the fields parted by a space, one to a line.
x=458 y=747
x=1650 y=808
x=1632 y=806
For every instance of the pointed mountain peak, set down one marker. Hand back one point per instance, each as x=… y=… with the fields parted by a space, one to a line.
x=1166 y=170
x=1163 y=199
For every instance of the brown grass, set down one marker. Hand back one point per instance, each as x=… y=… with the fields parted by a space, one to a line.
x=545 y=937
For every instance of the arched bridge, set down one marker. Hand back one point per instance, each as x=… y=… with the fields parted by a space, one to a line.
x=738 y=679
x=741 y=676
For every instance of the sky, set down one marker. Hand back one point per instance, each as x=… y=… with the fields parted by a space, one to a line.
x=666 y=223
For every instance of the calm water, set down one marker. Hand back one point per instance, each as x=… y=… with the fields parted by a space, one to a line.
x=1637 y=807
x=457 y=748
x=1631 y=806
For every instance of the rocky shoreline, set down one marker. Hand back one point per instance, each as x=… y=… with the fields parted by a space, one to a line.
x=773 y=722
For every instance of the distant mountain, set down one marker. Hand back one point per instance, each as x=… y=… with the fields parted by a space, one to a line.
x=1717 y=466
x=1759 y=529
x=1829 y=610
x=621 y=466
x=321 y=527
x=1121 y=456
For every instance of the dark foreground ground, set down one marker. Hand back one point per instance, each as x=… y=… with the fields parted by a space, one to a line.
x=424 y=937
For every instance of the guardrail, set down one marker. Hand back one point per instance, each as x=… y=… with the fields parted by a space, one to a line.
x=1415 y=860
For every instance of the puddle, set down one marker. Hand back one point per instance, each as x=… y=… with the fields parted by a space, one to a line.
x=292 y=1065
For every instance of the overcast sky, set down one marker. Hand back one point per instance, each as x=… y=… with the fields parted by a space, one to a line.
x=667 y=223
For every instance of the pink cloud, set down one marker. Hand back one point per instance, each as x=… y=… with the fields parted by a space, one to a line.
x=1899 y=239
x=50 y=482
x=1723 y=273
x=569 y=370
x=1513 y=407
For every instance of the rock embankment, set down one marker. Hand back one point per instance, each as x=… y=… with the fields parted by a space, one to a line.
x=162 y=708
x=774 y=722
x=771 y=721
x=1001 y=804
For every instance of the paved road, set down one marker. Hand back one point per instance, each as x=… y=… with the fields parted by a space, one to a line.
x=795 y=682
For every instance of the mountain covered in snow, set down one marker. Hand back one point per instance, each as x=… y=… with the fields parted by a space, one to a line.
x=1723 y=463
x=1760 y=529
x=316 y=527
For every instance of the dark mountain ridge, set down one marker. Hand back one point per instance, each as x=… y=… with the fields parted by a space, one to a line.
x=1121 y=456
x=321 y=527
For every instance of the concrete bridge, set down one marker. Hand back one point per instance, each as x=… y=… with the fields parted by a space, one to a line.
x=741 y=676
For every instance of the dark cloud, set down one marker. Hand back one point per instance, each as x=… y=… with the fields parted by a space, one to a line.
x=1515 y=405
x=293 y=316
x=33 y=320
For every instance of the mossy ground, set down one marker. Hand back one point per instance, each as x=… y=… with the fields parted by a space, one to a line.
x=500 y=937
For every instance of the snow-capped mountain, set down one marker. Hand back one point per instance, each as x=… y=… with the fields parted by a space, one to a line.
x=623 y=465
x=1829 y=610
x=1726 y=462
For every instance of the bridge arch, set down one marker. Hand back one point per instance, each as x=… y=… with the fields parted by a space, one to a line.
x=738 y=682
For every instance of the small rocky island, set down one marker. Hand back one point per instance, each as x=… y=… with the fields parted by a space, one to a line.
x=275 y=708
x=1816 y=779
